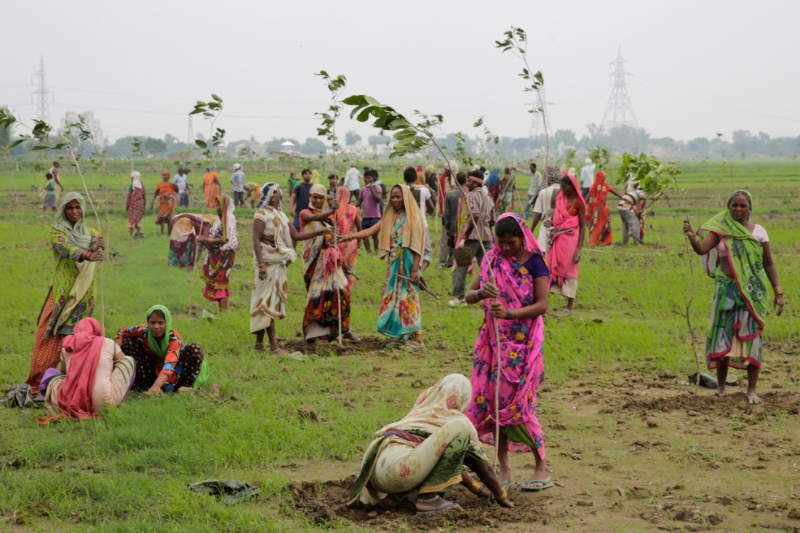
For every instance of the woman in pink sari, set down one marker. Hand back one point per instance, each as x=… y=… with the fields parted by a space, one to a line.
x=516 y=298
x=347 y=217
x=567 y=236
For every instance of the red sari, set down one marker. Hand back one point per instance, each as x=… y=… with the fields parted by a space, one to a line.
x=345 y=222
x=597 y=216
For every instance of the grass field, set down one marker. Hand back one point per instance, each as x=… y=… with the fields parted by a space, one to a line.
x=630 y=447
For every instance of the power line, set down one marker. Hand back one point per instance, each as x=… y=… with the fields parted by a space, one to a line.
x=42 y=94
x=619 y=105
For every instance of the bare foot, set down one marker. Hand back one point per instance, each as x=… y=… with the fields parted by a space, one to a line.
x=259 y=347
x=351 y=336
x=752 y=398
x=720 y=391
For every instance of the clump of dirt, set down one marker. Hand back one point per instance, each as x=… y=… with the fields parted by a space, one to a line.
x=327 y=503
x=366 y=344
x=772 y=403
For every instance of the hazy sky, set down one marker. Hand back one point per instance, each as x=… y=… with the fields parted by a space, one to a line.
x=697 y=67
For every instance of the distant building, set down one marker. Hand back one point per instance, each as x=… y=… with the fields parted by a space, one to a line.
x=359 y=150
x=287 y=147
x=562 y=148
x=90 y=124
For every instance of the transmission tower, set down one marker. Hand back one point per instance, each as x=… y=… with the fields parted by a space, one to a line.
x=41 y=93
x=190 y=133
x=619 y=110
x=537 y=124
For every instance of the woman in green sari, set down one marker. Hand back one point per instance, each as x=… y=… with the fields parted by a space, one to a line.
x=402 y=241
x=738 y=256
x=422 y=455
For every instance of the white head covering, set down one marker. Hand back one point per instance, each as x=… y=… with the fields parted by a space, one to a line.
x=237 y=166
x=136 y=181
x=588 y=161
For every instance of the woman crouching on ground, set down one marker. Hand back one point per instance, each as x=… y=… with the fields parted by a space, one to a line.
x=422 y=455
x=163 y=363
x=739 y=258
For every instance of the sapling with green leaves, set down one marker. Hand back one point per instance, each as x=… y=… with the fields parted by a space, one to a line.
x=137 y=150
x=490 y=138
x=328 y=129
x=600 y=157
x=515 y=41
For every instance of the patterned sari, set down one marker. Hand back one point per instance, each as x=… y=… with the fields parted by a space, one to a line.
x=326 y=285
x=740 y=303
x=345 y=222
x=221 y=257
x=137 y=201
x=521 y=355
x=400 y=314
x=166 y=201
x=183 y=232
x=424 y=452
x=597 y=216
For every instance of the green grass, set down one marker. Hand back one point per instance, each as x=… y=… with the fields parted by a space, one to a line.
x=128 y=470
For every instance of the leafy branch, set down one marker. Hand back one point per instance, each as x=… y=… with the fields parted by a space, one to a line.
x=652 y=175
x=329 y=117
x=211 y=110
x=600 y=156
x=515 y=40
x=490 y=138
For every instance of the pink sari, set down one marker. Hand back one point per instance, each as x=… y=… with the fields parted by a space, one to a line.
x=521 y=357
x=84 y=347
x=345 y=222
x=565 y=235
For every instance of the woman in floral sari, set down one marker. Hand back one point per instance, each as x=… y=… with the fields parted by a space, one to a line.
x=414 y=459
x=566 y=236
x=70 y=297
x=597 y=216
x=516 y=298
x=328 y=301
x=272 y=253
x=347 y=218
x=738 y=256
x=402 y=240
x=222 y=244
x=135 y=205
x=166 y=193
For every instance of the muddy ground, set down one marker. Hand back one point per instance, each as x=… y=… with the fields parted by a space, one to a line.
x=636 y=452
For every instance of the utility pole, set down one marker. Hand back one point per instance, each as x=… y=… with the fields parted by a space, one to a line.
x=41 y=93
x=190 y=133
x=619 y=110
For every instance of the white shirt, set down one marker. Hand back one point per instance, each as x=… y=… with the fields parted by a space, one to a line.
x=587 y=176
x=424 y=196
x=536 y=181
x=351 y=179
x=543 y=202
x=180 y=181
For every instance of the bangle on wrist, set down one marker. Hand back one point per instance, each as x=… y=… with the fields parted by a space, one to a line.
x=480 y=293
x=778 y=290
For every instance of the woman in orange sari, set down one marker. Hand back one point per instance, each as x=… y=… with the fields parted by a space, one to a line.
x=165 y=191
x=211 y=187
x=347 y=217
x=597 y=218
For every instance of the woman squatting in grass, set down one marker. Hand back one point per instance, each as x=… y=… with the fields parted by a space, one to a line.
x=273 y=235
x=327 y=286
x=412 y=460
x=517 y=298
x=738 y=256
x=71 y=295
x=566 y=240
x=163 y=363
x=221 y=243
x=402 y=241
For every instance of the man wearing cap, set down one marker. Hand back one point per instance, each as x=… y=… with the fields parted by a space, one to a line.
x=352 y=180
x=238 y=185
x=480 y=220
x=587 y=177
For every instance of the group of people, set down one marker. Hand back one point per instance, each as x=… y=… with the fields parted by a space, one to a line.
x=415 y=460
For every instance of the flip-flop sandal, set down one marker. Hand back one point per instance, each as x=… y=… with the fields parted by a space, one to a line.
x=543 y=485
x=445 y=505
x=414 y=346
x=506 y=485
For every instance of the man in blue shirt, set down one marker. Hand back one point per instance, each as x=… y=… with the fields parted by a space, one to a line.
x=238 y=185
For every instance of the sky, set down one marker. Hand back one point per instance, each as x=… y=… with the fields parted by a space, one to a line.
x=696 y=68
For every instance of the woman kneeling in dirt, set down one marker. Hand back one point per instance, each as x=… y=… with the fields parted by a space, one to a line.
x=423 y=454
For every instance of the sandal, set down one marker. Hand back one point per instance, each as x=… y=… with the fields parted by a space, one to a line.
x=414 y=346
x=441 y=507
x=543 y=484
x=279 y=351
x=506 y=485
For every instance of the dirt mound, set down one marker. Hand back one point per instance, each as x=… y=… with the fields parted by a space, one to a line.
x=328 y=506
x=366 y=344
x=772 y=403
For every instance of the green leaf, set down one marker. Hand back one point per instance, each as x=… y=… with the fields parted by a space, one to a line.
x=217 y=98
x=201 y=144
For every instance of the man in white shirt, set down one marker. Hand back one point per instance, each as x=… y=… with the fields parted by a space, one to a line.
x=238 y=185
x=533 y=187
x=180 y=181
x=545 y=207
x=423 y=195
x=352 y=180
x=587 y=177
